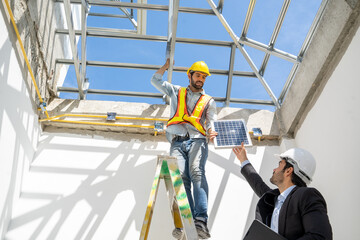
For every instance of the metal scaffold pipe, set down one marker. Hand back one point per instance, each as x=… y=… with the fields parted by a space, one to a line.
x=56 y=119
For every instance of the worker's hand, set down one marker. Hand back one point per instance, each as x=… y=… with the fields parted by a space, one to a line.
x=167 y=64
x=212 y=134
x=164 y=67
x=240 y=153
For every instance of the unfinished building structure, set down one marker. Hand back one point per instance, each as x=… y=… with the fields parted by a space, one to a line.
x=67 y=173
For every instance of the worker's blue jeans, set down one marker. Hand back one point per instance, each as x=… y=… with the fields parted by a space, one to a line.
x=191 y=155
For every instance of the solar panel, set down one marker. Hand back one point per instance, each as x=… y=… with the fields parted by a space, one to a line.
x=231 y=133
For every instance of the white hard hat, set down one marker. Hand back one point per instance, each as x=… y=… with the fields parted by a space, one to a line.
x=303 y=162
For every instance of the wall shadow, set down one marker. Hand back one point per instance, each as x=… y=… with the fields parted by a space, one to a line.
x=18 y=123
x=100 y=195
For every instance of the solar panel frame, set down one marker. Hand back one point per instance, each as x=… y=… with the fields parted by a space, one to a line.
x=230 y=133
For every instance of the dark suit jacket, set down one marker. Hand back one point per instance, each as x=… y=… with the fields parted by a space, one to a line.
x=303 y=214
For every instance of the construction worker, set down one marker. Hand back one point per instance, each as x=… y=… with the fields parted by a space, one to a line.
x=187 y=130
x=293 y=210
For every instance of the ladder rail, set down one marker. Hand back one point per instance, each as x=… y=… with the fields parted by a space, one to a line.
x=151 y=203
x=182 y=200
x=168 y=169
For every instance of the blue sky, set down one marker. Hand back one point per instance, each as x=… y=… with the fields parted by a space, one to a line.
x=292 y=34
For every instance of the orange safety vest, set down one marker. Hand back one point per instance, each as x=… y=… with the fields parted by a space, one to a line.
x=182 y=116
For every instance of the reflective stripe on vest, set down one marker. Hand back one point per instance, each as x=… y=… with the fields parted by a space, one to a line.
x=182 y=115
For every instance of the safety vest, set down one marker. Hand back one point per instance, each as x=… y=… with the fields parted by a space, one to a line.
x=182 y=116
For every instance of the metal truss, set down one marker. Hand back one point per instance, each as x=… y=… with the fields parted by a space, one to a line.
x=173 y=8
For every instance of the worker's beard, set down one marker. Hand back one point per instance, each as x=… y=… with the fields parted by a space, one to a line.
x=197 y=85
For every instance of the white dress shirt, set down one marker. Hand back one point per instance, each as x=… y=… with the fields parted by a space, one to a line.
x=278 y=204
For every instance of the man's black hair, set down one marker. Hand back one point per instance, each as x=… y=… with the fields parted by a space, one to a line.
x=295 y=179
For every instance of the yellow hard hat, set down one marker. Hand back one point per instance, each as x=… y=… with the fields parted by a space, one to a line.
x=199 y=66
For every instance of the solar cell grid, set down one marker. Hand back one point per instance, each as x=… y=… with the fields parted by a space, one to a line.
x=230 y=133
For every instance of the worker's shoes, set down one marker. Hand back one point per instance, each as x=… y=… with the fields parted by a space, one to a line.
x=178 y=233
x=202 y=229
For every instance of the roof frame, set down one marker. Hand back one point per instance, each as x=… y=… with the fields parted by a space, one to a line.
x=274 y=35
x=244 y=53
x=171 y=39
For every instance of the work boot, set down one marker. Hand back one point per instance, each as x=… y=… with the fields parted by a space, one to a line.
x=202 y=230
x=178 y=233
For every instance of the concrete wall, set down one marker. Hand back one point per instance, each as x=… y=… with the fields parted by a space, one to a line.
x=97 y=187
x=37 y=21
x=19 y=128
x=331 y=132
x=332 y=36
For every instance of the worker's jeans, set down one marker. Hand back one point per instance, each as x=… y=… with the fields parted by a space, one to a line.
x=191 y=155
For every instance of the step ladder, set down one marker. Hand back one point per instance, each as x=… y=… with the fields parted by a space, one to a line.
x=167 y=169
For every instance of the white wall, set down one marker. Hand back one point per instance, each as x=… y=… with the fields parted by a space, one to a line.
x=331 y=132
x=86 y=187
x=18 y=126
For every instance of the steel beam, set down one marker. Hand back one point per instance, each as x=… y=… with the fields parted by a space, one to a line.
x=84 y=13
x=270 y=50
x=112 y=33
x=143 y=6
x=107 y=15
x=242 y=50
x=252 y=101
x=274 y=35
x=112 y=92
x=109 y=31
x=231 y=73
x=248 y=18
x=159 y=95
x=288 y=82
x=262 y=80
x=141 y=18
x=128 y=15
x=220 y=5
x=151 y=67
x=74 y=51
x=171 y=38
